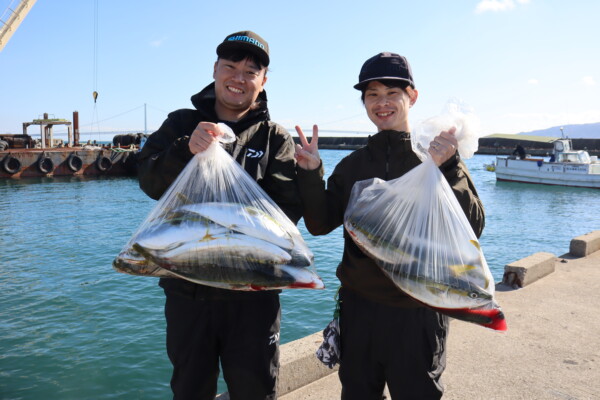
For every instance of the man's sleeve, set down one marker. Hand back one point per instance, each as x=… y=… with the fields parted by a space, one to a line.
x=280 y=179
x=162 y=158
x=458 y=177
x=323 y=207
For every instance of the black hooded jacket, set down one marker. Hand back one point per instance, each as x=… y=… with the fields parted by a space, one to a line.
x=263 y=148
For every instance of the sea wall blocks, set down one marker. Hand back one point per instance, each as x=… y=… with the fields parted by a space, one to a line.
x=529 y=269
x=584 y=245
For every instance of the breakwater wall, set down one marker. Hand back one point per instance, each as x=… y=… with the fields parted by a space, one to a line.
x=500 y=146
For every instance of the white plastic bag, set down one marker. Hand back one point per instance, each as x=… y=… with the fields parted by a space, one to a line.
x=455 y=114
x=215 y=226
x=416 y=231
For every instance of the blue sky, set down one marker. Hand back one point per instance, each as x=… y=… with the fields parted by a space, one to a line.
x=522 y=65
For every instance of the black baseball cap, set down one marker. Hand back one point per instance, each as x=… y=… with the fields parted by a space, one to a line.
x=246 y=41
x=385 y=66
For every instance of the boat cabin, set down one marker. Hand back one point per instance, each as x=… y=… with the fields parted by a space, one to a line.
x=563 y=152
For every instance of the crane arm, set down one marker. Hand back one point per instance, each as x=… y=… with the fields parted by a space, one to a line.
x=14 y=20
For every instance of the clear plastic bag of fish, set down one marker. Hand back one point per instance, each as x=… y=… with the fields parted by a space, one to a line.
x=216 y=226
x=414 y=228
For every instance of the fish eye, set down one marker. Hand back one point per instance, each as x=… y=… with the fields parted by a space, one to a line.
x=473 y=295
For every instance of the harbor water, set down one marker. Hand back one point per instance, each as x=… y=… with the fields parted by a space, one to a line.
x=71 y=327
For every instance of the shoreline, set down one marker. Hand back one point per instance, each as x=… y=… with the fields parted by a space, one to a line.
x=487 y=146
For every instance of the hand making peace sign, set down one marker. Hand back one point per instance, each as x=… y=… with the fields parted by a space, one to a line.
x=307 y=154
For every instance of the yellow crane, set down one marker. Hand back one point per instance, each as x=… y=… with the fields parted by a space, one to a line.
x=14 y=19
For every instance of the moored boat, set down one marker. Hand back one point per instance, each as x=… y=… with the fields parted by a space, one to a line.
x=565 y=167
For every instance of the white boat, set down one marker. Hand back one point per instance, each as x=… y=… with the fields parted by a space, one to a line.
x=566 y=167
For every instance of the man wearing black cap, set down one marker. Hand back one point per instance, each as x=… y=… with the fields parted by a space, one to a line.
x=207 y=325
x=386 y=337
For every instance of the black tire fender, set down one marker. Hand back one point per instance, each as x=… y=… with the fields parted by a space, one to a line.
x=103 y=163
x=74 y=162
x=11 y=164
x=45 y=164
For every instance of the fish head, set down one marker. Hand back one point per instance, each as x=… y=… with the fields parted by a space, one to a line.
x=490 y=317
x=476 y=293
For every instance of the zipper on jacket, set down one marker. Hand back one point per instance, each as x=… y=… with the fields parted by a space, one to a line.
x=387 y=159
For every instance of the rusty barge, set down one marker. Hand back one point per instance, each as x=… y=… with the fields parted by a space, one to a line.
x=22 y=156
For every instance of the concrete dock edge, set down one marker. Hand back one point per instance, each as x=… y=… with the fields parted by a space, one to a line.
x=302 y=376
x=299 y=365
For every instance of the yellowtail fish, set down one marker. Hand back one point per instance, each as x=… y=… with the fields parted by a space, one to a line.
x=375 y=246
x=244 y=275
x=466 y=260
x=452 y=296
x=131 y=262
x=244 y=219
x=226 y=249
x=175 y=232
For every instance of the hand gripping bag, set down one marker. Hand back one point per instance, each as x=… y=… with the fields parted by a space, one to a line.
x=414 y=228
x=217 y=227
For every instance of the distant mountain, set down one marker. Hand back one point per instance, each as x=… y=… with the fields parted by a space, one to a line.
x=579 y=131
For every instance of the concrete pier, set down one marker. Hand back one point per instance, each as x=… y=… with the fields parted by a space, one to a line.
x=550 y=351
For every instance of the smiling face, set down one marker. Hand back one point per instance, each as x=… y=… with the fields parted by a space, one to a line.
x=388 y=106
x=237 y=85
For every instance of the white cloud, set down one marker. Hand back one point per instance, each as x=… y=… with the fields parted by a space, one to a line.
x=533 y=81
x=588 y=80
x=497 y=5
x=157 y=43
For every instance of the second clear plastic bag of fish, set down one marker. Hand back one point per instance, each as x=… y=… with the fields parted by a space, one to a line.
x=216 y=226
x=414 y=228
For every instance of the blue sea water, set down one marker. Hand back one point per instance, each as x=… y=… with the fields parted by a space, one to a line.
x=73 y=328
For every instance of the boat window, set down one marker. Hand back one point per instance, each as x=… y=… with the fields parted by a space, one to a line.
x=579 y=157
x=584 y=157
x=570 y=157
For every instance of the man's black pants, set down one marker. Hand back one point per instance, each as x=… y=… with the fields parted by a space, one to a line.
x=403 y=347
x=206 y=325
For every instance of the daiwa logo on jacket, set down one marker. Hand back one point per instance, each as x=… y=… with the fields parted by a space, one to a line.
x=251 y=153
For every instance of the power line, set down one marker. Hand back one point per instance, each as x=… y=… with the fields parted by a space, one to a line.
x=342 y=119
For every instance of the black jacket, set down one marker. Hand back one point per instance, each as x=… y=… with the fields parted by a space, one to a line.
x=387 y=155
x=264 y=149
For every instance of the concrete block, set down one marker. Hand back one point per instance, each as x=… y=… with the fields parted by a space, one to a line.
x=584 y=245
x=529 y=269
x=299 y=365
